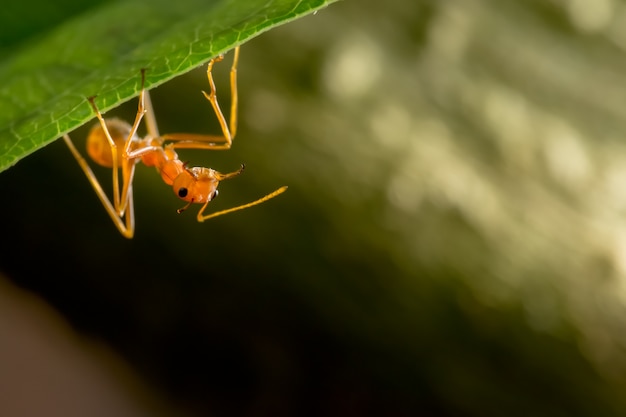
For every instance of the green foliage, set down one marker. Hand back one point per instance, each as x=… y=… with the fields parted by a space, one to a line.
x=100 y=52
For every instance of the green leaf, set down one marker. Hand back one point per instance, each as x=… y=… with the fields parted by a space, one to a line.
x=101 y=51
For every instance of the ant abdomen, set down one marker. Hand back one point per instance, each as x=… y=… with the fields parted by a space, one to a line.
x=98 y=146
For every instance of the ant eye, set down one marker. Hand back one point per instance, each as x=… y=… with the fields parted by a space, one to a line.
x=213 y=195
x=182 y=192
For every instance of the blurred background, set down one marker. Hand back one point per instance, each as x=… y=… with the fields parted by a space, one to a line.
x=452 y=243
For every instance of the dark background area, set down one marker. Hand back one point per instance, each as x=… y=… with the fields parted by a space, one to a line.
x=451 y=243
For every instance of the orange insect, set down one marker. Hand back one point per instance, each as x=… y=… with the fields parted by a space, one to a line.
x=114 y=143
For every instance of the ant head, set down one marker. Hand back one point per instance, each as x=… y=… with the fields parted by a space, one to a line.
x=199 y=185
x=196 y=185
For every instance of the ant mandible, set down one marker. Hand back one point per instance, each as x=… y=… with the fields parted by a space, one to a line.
x=114 y=143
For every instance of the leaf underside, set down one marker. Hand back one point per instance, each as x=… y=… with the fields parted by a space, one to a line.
x=101 y=52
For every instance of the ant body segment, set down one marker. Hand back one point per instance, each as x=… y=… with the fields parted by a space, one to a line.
x=114 y=143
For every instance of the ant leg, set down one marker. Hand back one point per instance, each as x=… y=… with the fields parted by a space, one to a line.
x=273 y=194
x=151 y=123
x=114 y=154
x=141 y=111
x=234 y=97
x=196 y=141
x=127 y=227
x=128 y=164
x=229 y=130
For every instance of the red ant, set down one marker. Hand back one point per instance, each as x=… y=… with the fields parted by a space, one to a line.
x=114 y=143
